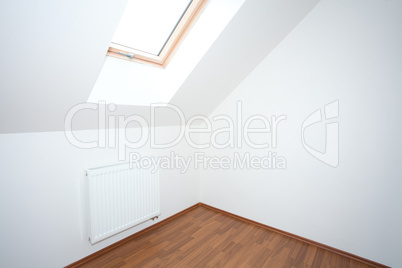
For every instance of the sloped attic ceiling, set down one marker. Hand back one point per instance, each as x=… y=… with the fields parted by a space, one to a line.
x=53 y=52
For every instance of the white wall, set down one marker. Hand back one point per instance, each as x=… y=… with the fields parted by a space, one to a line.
x=343 y=50
x=41 y=189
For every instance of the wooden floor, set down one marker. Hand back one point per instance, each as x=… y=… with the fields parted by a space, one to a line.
x=206 y=238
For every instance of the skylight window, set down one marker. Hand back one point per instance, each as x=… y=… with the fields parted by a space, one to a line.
x=126 y=83
x=150 y=31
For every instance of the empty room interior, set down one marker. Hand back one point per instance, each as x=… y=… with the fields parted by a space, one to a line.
x=203 y=133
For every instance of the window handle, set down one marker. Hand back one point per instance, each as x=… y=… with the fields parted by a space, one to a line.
x=129 y=55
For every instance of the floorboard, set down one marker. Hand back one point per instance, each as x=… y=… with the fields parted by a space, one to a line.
x=206 y=238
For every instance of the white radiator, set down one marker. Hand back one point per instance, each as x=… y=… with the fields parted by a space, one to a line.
x=120 y=197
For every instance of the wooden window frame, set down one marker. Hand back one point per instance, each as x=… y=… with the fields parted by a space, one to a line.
x=182 y=28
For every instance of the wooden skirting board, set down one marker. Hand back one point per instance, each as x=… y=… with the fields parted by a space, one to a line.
x=163 y=222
